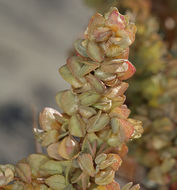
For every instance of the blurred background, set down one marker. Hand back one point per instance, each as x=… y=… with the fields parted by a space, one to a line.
x=36 y=37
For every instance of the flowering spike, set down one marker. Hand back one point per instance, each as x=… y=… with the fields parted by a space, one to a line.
x=85 y=143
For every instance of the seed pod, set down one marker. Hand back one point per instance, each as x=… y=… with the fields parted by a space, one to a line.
x=94 y=51
x=102 y=34
x=91 y=141
x=115 y=66
x=112 y=83
x=67 y=76
x=86 y=163
x=138 y=129
x=23 y=171
x=126 y=128
x=7 y=173
x=104 y=177
x=88 y=66
x=104 y=76
x=112 y=186
x=121 y=112
x=80 y=47
x=74 y=66
x=118 y=101
x=86 y=112
x=117 y=90
x=52 y=151
x=67 y=101
x=49 y=137
x=56 y=182
x=51 y=167
x=100 y=158
x=104 y=104
x=77 y=127
x=89 y=98
x=98 y=122
x=47 y=119
x=68 y=148
x=96 y=84
x=96 y=21
x=129 y=72
x=35 y=161
x=115 y=20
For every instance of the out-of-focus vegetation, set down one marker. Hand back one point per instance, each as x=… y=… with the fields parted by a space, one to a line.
x=153 y=90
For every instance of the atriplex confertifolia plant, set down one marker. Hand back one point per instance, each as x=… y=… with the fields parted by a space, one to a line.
x=85 y=144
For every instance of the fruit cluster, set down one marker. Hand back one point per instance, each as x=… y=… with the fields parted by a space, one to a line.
x=85 y=144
